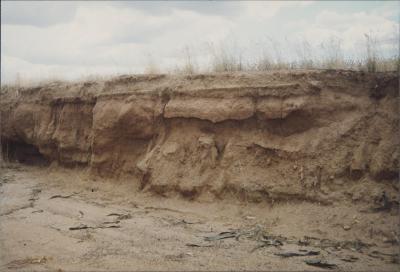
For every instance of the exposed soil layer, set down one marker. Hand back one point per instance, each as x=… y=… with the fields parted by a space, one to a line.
x=318 y=136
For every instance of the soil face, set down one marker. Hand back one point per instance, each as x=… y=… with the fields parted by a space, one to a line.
x=63 y=220
x=140 y=166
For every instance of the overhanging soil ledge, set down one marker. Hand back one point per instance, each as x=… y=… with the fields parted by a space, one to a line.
x=316 y=136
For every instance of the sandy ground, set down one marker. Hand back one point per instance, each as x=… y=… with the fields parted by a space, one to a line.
x=119 y=228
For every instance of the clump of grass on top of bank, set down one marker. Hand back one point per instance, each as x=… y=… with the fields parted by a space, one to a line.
x=273 y=56
x=329 y=55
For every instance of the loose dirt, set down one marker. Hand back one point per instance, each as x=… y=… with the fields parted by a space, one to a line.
x=286 y=170
x=130 y=230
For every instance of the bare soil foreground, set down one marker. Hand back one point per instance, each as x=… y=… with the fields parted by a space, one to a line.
x=58 y=219
x=245 y=171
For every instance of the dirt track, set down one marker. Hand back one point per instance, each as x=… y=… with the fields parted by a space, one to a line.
x=38 y=208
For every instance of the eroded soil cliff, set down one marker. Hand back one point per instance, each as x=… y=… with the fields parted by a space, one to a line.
x=318 y=136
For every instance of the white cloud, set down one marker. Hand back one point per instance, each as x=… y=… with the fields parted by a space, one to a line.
x=28 y=73
x=350 y=29
x=109 y=37
x=105 y=36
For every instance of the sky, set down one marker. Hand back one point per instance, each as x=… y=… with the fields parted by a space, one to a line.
x=43 y=40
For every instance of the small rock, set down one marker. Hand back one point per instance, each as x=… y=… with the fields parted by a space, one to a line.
x=346 y=227
x=170 y=148
x=206 y=141
x=315 y=85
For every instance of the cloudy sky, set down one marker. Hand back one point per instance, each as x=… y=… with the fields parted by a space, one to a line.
x=71 y=40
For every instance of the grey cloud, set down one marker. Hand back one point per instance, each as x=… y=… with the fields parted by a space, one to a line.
x=138 y=37
x=223 y=8
x=47 y=13
x=35 y=13
x=144 y=34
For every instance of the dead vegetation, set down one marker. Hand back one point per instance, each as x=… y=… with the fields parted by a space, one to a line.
x=273 y=55
x=229 y=57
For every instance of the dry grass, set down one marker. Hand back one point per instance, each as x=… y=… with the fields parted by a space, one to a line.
x=229 y=57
